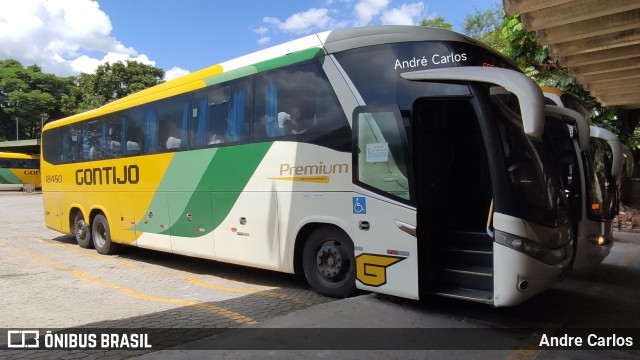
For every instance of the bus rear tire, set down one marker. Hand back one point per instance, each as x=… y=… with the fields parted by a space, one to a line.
x=81 y=231
x=328 y=262
x=102 y=236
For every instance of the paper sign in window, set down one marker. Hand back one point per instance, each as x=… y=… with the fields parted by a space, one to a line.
x=377 y=152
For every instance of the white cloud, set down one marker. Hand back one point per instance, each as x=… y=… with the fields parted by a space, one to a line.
x=175 y=72
x=64 y=37
x=365 y=10
x=264 y=40
x=407 y=14
x=352 y=13
x=261 y=30
x=303 y=22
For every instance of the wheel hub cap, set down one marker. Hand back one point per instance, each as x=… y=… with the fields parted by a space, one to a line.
x=329 y=261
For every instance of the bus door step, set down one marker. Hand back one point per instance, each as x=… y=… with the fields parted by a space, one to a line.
x=480 y=296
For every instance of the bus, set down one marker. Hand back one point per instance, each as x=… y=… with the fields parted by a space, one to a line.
x=590 y=178
x=401 y=160
x=19 y=170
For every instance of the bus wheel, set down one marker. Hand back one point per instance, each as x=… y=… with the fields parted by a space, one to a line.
x=81 y=231
x=102 y=236
x=328 y=262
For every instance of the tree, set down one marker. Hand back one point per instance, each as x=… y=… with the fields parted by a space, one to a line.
x=437 y=22
x=534 y=59
x=111 y=82
x=485 y=26
x=28 y=97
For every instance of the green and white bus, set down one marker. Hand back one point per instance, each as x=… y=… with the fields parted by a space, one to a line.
x=398 y=159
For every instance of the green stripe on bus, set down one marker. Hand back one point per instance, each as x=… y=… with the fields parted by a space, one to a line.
x=288 y=59
x=216 y=178
x=230 y=75
x=8 y=177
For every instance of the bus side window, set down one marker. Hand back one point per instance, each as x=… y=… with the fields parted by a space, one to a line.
x=172 y=123
x=297 y=101
x=150 y=132
x=130 y=131
x=237 y=119
x=114 y=137
x=272 y=127
x=70 y=145
x=221 y=115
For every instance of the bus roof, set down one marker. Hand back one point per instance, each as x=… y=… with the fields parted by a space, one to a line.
x=14 y=155
x=290 y=52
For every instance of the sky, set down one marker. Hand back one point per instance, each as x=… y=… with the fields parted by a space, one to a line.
x=68 y=37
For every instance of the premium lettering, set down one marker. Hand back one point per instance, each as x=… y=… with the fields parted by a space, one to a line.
x=108 y=175
x=319 y=169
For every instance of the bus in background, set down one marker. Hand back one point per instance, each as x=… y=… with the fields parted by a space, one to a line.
x=628 y=164
x=591 y=180
x=393 y=159
x=19 y=170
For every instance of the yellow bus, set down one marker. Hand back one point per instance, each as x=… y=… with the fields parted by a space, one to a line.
x=20 y=169
x=403 y=160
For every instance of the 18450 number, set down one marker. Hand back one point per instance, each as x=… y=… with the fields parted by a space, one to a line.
x=53 y=179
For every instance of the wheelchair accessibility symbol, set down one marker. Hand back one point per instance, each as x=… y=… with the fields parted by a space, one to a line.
x=359 y=205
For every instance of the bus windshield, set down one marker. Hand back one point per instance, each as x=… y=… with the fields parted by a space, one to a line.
x=534 y=188
x=601 y=190
x=533 y=168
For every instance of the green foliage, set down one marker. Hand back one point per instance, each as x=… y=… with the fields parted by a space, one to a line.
x=534 y=59
x=521 y=47
x=437 y=22
x=28 y=97
x=111 y=82
x=507 y=35
x=485 y=26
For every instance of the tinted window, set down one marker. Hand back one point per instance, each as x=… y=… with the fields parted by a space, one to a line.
x=221 y=114
x=297 y=103
x=375 y=70
x=165 y=125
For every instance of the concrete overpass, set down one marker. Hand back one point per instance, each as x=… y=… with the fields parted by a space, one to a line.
x=598 y=41
x=22 y=146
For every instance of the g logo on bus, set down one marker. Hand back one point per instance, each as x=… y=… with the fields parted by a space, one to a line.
x=371 y=269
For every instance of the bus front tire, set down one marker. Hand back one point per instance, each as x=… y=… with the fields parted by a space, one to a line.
x=329 y=264
x=102 y=236
x=81 y=231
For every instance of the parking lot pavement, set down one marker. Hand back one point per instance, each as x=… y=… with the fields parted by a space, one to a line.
x=49 y=283
x=206 y=309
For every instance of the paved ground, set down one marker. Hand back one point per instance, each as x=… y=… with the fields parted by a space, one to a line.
x=200 y=306
x=50 y=283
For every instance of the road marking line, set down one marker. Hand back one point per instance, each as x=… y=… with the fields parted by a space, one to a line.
x=238 y=318
x=190 y=279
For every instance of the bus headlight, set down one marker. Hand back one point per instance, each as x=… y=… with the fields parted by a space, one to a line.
x=534 y=249
x=598 y=239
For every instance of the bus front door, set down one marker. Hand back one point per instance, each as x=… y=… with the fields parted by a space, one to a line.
x=384 y=219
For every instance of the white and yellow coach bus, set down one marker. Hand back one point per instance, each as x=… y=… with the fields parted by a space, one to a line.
x=17 y=169
x=591 y=179
x=392 y=159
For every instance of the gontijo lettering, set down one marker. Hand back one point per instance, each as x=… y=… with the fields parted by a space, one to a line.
x=108 y=175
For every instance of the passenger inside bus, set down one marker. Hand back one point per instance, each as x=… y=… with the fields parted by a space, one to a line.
x=297 y=122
